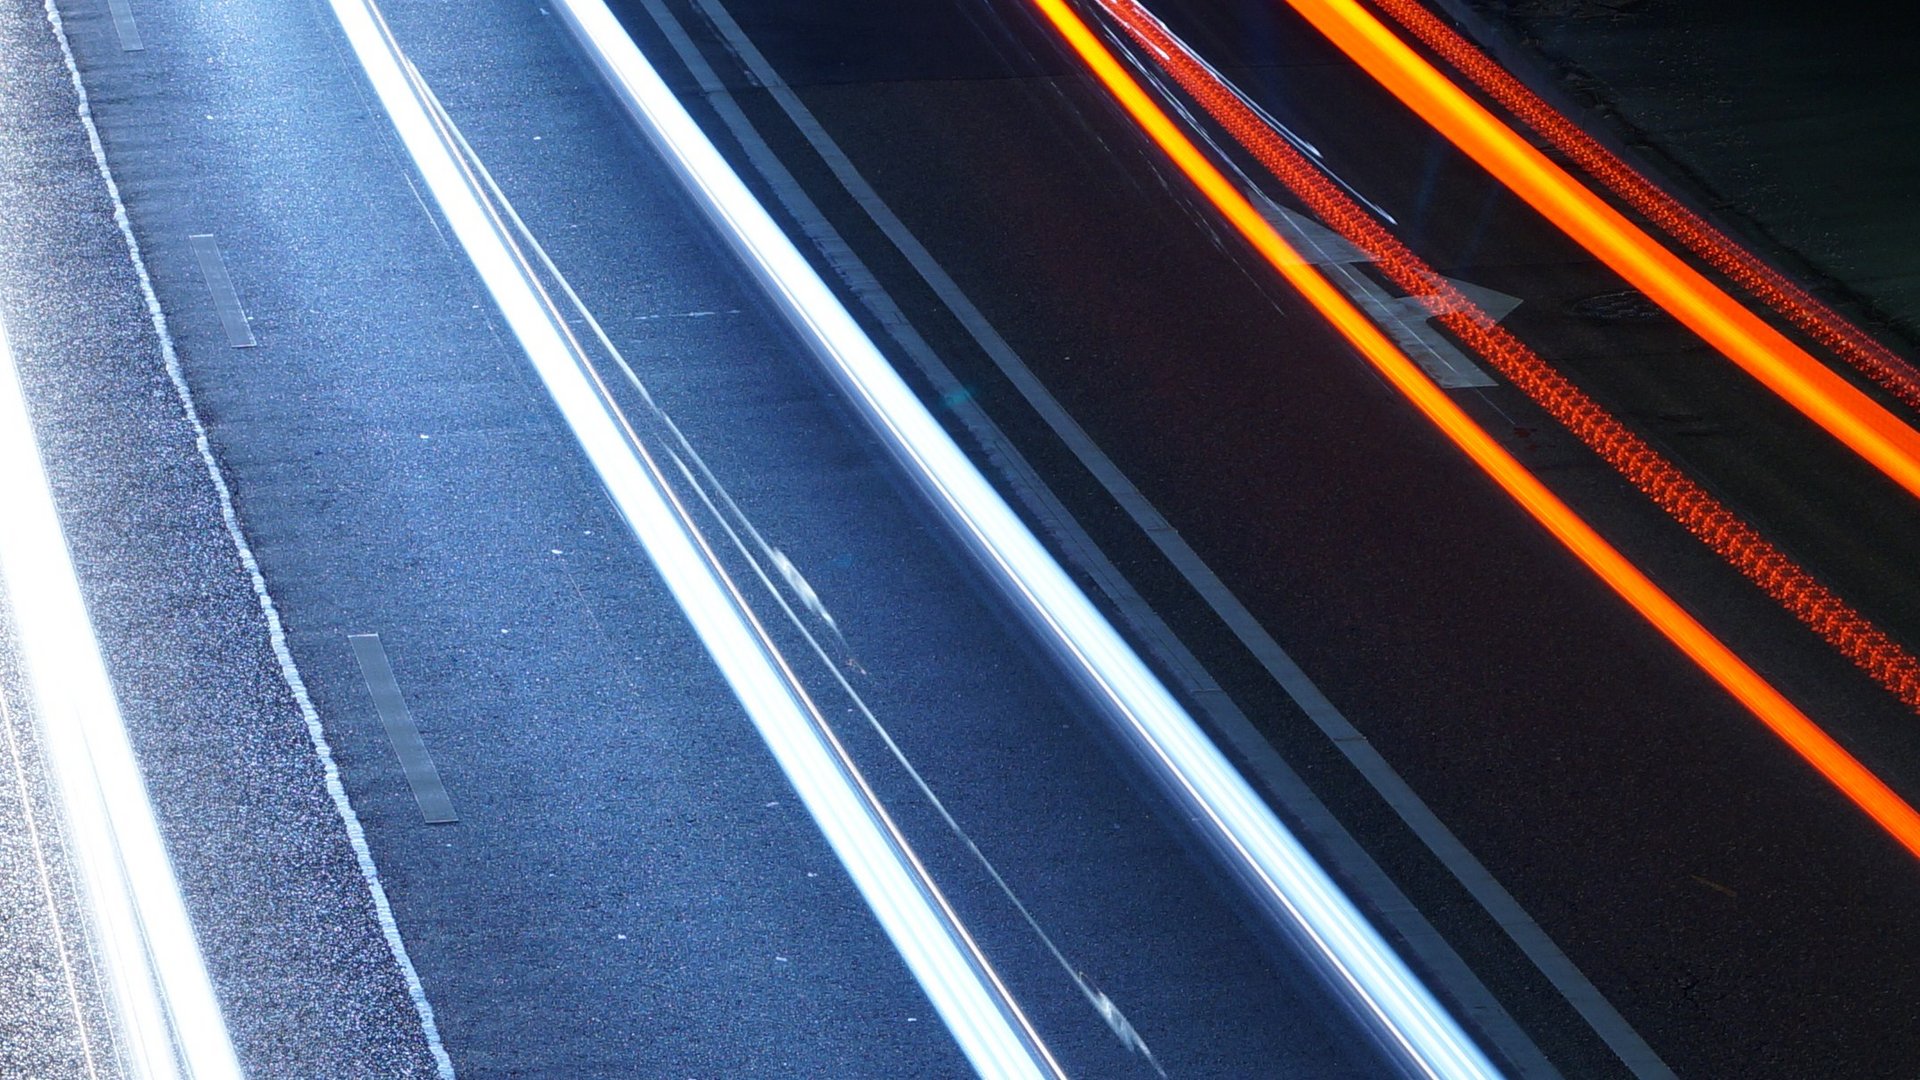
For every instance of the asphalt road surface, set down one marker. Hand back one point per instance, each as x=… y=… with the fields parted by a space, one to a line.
x=1599 y=862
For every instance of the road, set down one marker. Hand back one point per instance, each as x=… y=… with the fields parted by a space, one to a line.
x=1597 y=860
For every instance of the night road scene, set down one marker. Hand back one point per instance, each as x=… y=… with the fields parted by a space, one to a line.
x=1112 y=539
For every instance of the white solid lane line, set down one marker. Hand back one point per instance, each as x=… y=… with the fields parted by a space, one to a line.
x=976 y=1007
x=162 y=999
x=1264 y=849
x=1325 y=247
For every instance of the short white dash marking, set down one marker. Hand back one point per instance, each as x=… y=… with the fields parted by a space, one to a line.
x=233 y=319
x=123 y=26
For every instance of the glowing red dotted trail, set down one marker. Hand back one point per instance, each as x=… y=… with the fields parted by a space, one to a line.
x=1724 y=532
x=1714 y=247
x=1806 y=738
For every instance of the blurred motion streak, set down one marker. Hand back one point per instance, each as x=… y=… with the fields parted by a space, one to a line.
x=936 y=947
x=1808 y=739
x=1369 y=978
x=1763 y=282
x=165 y=1016
x=1763 y=352
x=1707 y=518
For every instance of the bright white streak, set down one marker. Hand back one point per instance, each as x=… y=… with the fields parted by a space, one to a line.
x=162 y=1000
x=1379 y=980
x=928 y=943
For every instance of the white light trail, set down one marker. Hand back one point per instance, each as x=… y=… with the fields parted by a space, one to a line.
x=963 y=988
x=1379 y=982
x=162 y=1000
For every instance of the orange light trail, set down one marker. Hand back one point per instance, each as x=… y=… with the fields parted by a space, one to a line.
x=1762 y=282
x=1763 y=352
x=1807 y=739
x=1707 y=518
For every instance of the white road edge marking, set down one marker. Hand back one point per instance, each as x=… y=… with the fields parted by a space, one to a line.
x=276 y=632
x=1466 y=868
x=1143 y=623
x=163 y=999
x=1379 y=981
x=974 y=1004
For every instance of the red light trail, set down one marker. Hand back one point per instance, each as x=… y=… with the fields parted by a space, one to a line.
x=1806 y=738
x=1822 y=396
x=1719 y=251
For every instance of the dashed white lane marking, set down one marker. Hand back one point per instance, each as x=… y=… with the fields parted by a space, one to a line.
x=233 y=319
x=276 y=633
x=402 y=733
x=123 y=25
